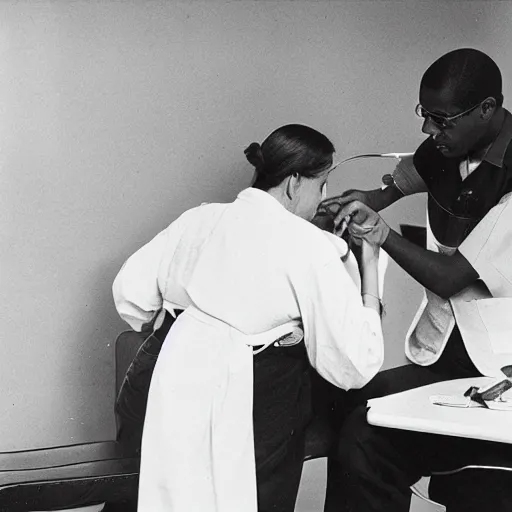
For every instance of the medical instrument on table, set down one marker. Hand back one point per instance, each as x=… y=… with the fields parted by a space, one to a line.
x=488 y=397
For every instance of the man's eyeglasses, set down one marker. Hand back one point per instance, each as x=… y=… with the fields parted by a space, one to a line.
x=439 y=119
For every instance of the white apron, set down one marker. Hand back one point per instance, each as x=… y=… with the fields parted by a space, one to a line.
x=200 y=414
x=484 y=319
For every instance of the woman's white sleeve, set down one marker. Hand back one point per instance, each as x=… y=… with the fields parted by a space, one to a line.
x=137 y=295
x=343 y=337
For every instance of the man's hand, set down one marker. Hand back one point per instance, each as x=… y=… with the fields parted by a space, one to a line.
x=363 y=223
x=377 y=199
x=367 y=197
x=324 y=220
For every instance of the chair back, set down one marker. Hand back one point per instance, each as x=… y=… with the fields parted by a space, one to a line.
x=127 y=345
x=136 y=356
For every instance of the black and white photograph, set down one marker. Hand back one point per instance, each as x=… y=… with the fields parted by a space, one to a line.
x=256 y=256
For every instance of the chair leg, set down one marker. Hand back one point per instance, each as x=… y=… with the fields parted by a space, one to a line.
x=419 y=504
x=420 y=501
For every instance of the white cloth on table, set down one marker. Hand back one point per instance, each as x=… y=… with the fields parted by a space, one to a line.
x=245 y=273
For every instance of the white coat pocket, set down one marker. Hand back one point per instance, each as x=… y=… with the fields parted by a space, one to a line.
x=496 y=315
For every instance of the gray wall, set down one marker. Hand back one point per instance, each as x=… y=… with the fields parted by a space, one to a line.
x=117 y=116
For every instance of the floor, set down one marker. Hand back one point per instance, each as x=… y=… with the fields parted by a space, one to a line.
x=312 y=491
x=312 y=486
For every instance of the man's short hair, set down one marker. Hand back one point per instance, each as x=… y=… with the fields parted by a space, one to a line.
x=471 y=75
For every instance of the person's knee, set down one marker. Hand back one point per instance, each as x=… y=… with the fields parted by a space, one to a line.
x=354 y=439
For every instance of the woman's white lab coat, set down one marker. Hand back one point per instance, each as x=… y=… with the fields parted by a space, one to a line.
x=246 y=273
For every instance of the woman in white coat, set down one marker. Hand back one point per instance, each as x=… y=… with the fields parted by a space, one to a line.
x=264 y=296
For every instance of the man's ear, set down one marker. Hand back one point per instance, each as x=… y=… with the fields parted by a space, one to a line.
x=293 y=185
x=488 y=108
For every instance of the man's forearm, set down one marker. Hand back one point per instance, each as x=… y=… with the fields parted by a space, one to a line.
x=441 y=274
x=382 y=198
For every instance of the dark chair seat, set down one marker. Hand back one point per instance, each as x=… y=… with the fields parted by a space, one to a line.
x=67 y=477
x=62 y=456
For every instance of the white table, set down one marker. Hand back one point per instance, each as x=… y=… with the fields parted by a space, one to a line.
x=412 y=410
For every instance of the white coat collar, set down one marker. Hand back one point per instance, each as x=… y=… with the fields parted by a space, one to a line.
x=260 y=197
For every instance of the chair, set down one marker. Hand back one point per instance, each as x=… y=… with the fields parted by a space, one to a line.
x=66 y=477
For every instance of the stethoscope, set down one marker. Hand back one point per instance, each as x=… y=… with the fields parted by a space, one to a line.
x=397 y=156
x=387 y=179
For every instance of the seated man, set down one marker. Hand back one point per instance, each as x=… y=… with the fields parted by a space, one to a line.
x=465 y=166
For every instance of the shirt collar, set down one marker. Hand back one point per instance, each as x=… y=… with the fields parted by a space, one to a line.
x=496 y=152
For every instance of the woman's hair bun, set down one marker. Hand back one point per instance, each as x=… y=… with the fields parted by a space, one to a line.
x=254 y=155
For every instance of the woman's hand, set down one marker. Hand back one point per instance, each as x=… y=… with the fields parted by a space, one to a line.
x=363 y=224
x=366 y=227
x=367 y=256
x=369 y=253
x=324 y=220
x=367 y=197
x=369 y=269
